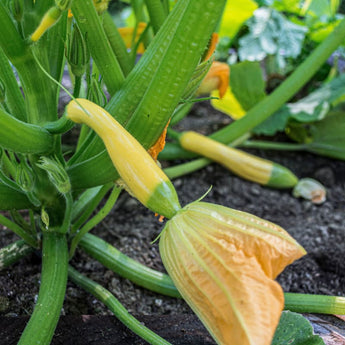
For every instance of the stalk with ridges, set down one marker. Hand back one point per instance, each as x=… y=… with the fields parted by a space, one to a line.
x=126 y=267
x=101 y=214
x=89 y=22
x=159 y=282
x=116 y=307
x=32 y=138
x=28 y=238
x=41 y=326
x=305 y=303
x=13 y=253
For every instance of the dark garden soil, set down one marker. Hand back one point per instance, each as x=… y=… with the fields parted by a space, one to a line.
x=131 y=228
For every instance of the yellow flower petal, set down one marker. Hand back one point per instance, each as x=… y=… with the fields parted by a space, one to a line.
x=228 y=105
x=222 y=261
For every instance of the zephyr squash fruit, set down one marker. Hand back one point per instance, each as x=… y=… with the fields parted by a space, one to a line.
x=223 y=262
x=138 y=170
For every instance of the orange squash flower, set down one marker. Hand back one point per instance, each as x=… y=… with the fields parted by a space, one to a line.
x=217 y=78
x=223 y=262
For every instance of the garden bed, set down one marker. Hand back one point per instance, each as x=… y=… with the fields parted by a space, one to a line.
x=131 y=228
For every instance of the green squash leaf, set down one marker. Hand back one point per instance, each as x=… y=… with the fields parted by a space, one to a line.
x=294 y=329
x=309 y=109
x=275 y=123
x=247 y=83
x=327 y=136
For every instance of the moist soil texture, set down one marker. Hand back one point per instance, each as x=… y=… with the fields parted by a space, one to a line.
x=131 y=228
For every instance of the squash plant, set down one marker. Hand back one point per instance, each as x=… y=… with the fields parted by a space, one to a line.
x=217 y=257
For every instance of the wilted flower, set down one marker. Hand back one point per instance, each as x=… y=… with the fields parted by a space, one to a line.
x=310 y=189
x=223 y=262
x=217 y=78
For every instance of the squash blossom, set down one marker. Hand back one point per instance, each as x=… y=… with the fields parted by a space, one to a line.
x=217 y=78
x=142 y=176
x=223 y=263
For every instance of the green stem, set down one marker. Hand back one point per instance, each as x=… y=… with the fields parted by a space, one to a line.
x=181 y=112
x=186 y=168
x=41 y=326
x=159 y=282
x=104 y=211
x=84 y=131
x=90 y=24
x=8 y=182
x=270 y=145
x=62 y=125
x=23 y=137
x=116 y=307
x=305 y=303
x=116 y=42
x=68 y=214
x=8 y=166
x=156 y=12
x=14 y=98
x=12 y=199
x=28 y=238
x=91 y=206
x=13 y=253
x=40 y=92
x=84 y=201
x=39 y=95
x=126 y=267
x=166 y=6
x=77 y=86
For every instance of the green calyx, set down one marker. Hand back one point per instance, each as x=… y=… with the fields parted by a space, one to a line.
x=56 y=174
x=281 y=177
x=164 y=200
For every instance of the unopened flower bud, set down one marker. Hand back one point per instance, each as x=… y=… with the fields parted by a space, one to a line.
x=78 y=55
x=25 y=177
x=223 y=263
x=45 y=218
x=56 y=173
